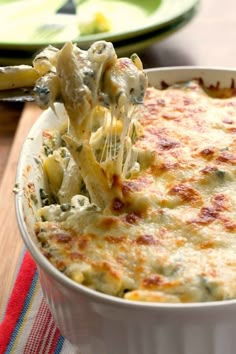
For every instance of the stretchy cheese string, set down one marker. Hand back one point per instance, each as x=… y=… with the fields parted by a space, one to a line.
x=85 y=80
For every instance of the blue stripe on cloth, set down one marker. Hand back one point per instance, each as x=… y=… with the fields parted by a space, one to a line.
x=23 y=313
x=59 y=346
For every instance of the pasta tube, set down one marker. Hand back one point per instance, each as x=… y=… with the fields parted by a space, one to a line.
x=17 y=76
x=92 y=173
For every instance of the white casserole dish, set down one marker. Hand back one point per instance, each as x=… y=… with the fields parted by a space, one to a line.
x=100 y=324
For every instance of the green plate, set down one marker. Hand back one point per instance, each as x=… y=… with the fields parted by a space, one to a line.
x=24 y=23
x=123 y=48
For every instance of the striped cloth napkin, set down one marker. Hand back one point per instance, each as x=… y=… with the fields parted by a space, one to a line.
x=27 y=326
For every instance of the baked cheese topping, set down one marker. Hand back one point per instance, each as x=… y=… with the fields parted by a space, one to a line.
x=170 y=236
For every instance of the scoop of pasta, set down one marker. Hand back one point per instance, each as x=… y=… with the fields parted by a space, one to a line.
x=101 y=94
x=87 y=80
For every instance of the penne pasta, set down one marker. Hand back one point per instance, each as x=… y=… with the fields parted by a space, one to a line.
x=17 y=76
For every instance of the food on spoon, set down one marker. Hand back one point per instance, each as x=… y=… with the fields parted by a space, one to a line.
x=88 y=81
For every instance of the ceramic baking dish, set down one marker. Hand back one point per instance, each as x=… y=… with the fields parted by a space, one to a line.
x=100 y=324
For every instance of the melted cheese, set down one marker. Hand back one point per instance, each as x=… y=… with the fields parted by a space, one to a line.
x=86 y=81
x=171 y=237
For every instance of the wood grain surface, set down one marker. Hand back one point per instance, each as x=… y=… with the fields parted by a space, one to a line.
x=9 y=117
x=10 y=240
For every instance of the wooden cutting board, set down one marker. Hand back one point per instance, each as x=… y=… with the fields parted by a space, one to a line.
x=11 y=245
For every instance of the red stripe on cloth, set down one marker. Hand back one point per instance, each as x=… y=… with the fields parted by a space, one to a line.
x=44 y=334
x=48 y=343
x=17 y=300
x=55 y=340
x=38 y=330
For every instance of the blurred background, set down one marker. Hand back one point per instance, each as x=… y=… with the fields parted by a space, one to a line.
x=162 y=32
x=27 y=26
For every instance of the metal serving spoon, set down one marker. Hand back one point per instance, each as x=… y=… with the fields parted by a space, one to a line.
x=17 y=95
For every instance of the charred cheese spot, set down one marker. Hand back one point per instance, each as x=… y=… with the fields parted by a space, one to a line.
x=187 y=194
x=83 y=243
x=207 y=152
x=221 y=202
x=147 y=240
x=109 y=222
x=114 y=240
x=118 y=205
x=227 y=157
x=229 y=224
x=132 y=218
x=206 y=215
x=152 y=281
